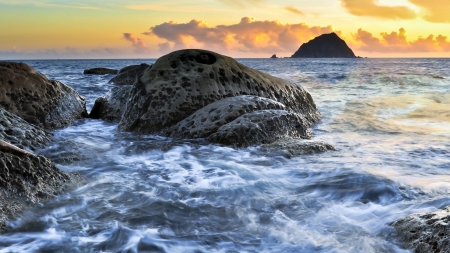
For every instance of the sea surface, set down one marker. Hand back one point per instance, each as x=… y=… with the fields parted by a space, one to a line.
x=389 y=120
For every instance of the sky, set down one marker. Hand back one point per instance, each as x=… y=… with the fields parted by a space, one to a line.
x=114 y=29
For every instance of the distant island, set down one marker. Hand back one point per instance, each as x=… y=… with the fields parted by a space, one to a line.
x=325 y=46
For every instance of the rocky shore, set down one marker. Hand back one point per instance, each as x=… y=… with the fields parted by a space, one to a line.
x=186 y=94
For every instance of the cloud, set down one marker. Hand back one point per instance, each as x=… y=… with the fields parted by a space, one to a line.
x=246 y=36
x=396 y=42
x=139 y=45
x=294 y=10
x=62 y=53
x=436 y=11
x=241 y=3
x=371 y=8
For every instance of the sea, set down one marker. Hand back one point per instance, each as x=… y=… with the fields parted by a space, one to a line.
x=389 y=120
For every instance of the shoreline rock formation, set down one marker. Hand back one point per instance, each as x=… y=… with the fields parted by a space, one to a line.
x=324 y=46
x=426 y=232
x=36 y=99
x=129 y=74
x=201 y=94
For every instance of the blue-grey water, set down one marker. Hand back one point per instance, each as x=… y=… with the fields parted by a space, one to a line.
x=388 y=118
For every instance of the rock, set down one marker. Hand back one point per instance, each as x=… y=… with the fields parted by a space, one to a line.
x=100 y=71
x=262 y=127
x=207 y=120
x=27 y=180
x=130 y=74
x=20 y=133
x=289 y=147
x=36 y=99
x=274 y=56
x=425 y=232
x=184 y=81
x=112 y=105
x=325 y=46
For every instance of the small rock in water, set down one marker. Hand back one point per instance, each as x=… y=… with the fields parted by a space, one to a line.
x=100 y=71
x=425 y=233
x=112 y=105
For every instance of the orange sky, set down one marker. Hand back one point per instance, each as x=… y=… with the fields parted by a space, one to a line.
x=50 y=29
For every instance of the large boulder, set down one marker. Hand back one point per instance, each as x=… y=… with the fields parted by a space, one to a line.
x=20 y=133
x=28 y=179
x=129 y=74
x=427 y=232
x=112 y=105
x=182 y=82
x=325 y=46
x=38 y=100
x=100 y=71
x=210 y=118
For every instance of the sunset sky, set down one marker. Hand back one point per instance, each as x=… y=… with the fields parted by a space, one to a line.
x=50 y=29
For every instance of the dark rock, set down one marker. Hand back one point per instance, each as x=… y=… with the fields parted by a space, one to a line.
x=325 y=46
x=27 y=180
x=295 y=147
x=100 y=71
x=274 y=56
x=182 y=82
x=36 y=99
x=262 y=127
x=425 y=232
x=130 y=74
x=207 y=120
x=20 y=133
x=112 y=105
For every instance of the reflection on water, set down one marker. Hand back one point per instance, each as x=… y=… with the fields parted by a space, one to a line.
x=388 y=119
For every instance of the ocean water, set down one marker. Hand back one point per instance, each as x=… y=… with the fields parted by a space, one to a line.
x=388 y=118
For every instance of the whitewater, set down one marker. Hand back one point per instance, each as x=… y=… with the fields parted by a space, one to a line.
x=389 y=120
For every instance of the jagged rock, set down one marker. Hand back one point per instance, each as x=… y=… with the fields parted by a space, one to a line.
x=100 y=71
x=425 y=232
x=324 y=46
x=36 y=99
x=182 y=82
x=20 y=133
x=27 y=180
x=289 y=147
x=274 y=56
x=262 y=127
x=130 y=74
x=112 y=105
x=207 y=120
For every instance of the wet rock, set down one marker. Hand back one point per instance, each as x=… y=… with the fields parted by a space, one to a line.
x=20 y=133
x=295 y=147
x=425 y=232
x=27 y=180
x=207 y=120
x=182 y=82
x=100 y=71
x=36 y=99
x=112 y=105
x=130 y=74
x=325 y=46
x=262 y=127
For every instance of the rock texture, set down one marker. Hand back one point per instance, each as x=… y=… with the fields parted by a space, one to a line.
x=18 y=132
x=112 y=105
x=262 y=127
x=36 y=99
x=289 y=147
x=325 y=46
x=130 y=74
x=182 y=82
x=425 y=232
x=100 y=71
x=27 y=180
x=210 y=118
